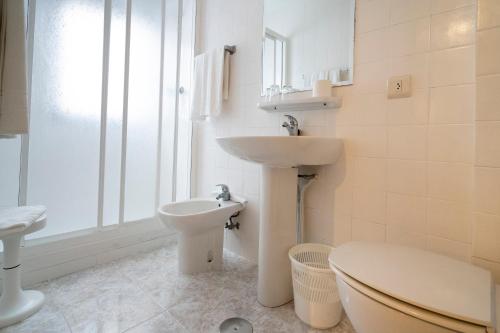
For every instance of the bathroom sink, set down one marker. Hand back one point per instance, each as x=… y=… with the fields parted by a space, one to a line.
x=283 y=151
x=280 y=157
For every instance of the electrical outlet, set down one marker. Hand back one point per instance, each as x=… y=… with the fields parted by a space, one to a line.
x=399 y=86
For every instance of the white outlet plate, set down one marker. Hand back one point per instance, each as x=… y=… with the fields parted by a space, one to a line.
x=399 y=86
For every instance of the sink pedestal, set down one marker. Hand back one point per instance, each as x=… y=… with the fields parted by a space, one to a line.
x=277 y=234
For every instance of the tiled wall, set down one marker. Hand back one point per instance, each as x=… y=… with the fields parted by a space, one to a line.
x=410 y=162
x=407 y=175
x=486 y=250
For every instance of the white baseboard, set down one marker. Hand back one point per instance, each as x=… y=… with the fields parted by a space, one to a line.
x=53 y=257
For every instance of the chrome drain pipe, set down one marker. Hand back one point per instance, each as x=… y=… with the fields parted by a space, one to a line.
x=304 y=181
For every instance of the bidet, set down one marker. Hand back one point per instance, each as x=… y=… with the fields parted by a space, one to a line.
x=200 y=223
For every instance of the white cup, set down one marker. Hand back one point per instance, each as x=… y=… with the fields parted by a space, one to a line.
x=322 y=88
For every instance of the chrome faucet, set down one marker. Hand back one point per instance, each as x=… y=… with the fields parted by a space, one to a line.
x=292 y=126
x=224 y=195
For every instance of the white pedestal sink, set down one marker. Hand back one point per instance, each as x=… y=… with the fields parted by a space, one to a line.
x=280 y=157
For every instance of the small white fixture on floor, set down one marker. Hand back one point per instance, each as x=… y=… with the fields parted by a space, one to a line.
x=200 y=223
x=17 y=304
x=391 y=288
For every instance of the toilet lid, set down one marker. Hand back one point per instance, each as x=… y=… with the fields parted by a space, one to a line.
x=434 y=282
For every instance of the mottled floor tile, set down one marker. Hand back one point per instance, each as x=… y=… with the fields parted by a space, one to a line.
x=48 y=320
x=146 y=293
x=283 y=319
x=114 y=310
x=163 y=323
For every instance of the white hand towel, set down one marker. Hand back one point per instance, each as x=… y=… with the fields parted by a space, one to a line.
x=17 y=219
x=209 y=85
x=13 y=81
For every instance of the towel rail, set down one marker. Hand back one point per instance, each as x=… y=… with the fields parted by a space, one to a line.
x=230 y=48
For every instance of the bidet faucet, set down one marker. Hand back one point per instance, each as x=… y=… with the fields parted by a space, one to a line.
x=292 y=126
x=224 y=195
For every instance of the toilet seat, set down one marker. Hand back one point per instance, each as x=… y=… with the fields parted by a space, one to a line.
x=414 y=282
x=411 y=310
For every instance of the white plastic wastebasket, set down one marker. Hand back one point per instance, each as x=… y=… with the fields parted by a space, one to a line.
x=317 y=302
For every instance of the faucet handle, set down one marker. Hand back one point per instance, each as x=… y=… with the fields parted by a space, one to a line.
x=223 y=187
x=293 y=121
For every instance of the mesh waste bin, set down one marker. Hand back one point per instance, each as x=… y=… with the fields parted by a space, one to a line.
x=317 y=302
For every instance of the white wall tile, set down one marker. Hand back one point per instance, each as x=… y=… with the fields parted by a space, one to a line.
x=367 y=231
x=372 y=77
x=449 y=219
x=407 y=142
x=438 y=6
x=487 y=190
x=409 y=111
x=408 y=10
x=398 y=180
x=488 y=14
x=415 y=65
x=451 y=143
x=372 y=46
x=488 y=98
x=370 y=109
x=488 y=143
x=368 y=141
x=488 y=52
x=452 y=66
x=453 y=28
x=399 y=235
x=458 y=250
x=409 y=37
x=370 y=173
x=342 y=230
x=450 y=181
x=452 y=105
x=486 y=236
x=406 y=211
x=372 y=15
x=493 y=267
x=369 y=205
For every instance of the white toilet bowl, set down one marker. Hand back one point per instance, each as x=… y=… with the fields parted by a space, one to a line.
x=388 y=288
x=200 y=223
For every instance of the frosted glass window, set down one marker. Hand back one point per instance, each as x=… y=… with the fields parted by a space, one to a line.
x=268 y=62
x=10 y=150
x=278 y=63
x=169 y=102
x=63 y=168
x=116 y=74
x=143 y=112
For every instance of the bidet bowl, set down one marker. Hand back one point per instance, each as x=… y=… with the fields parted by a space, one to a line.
x=197 y=216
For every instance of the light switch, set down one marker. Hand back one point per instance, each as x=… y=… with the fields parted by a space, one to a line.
x=399 y=86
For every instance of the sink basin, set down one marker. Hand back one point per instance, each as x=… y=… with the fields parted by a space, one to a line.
x=283 y=151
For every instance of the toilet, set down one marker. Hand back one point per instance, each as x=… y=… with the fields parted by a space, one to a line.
x=387 y=288
x=200 y=225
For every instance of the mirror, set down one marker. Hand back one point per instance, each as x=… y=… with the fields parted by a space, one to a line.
x=305 y=41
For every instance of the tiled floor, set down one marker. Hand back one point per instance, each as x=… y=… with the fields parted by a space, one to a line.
x=145 y=293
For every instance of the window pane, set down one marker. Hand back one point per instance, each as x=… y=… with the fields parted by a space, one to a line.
x=9 y=170
x=142 y=124
x=63 y=167
x=279 y=63
x=268 y=63
x=111 y=204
